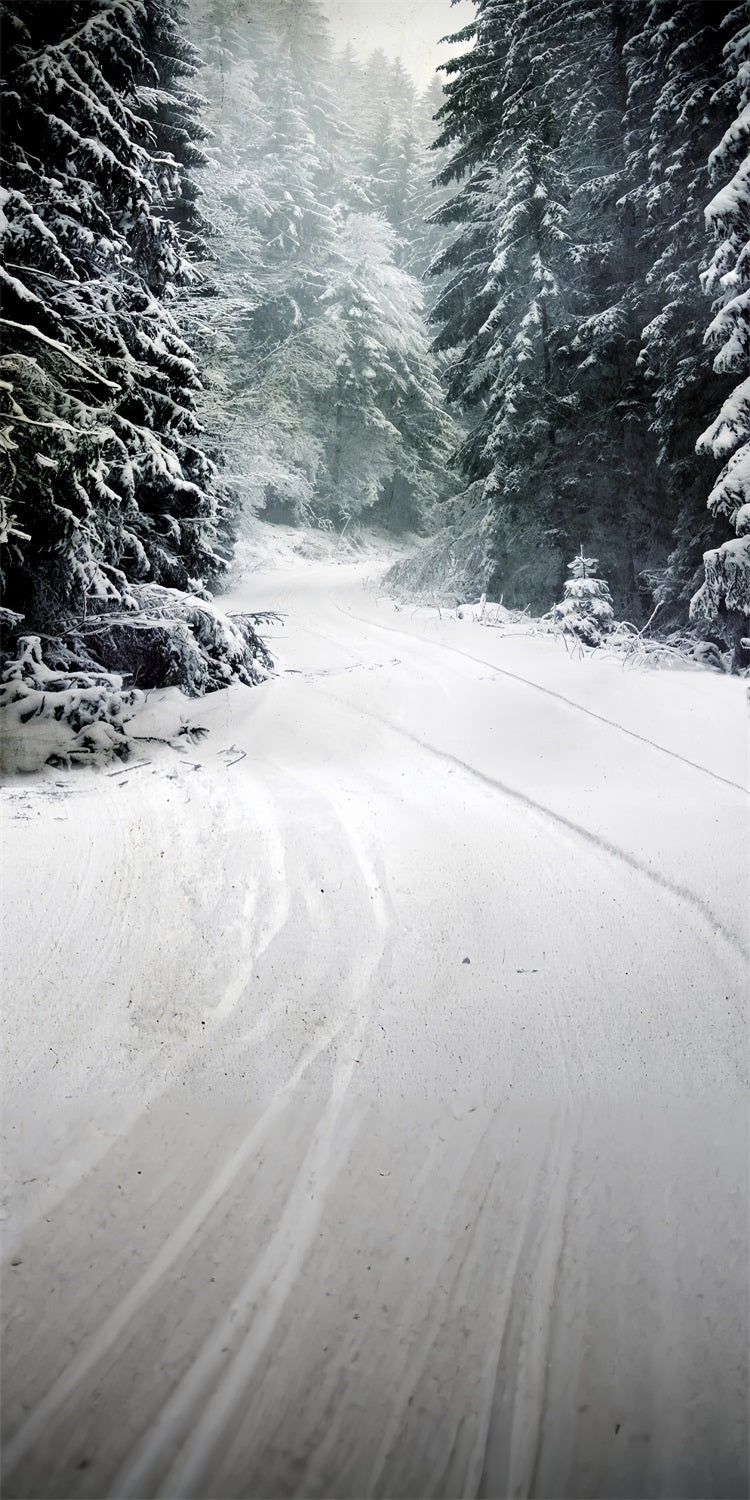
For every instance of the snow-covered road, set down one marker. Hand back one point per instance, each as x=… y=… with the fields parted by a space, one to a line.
x=375 y=1075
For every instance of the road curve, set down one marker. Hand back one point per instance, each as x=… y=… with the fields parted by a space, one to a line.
x=375 y=1113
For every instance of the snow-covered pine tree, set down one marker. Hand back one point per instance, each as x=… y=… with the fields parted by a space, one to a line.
x=423 y=236
x=389 y=439
x=504 y=310
x=468 y=119
x=586 y=610
x=722 y=604
x=388 y=133
x=172 y=110
x=386 y=153
x=287 y=187
x=610 y=465
x=272 y=191
x=548 y=132
x=104 y=469
x=677 y=111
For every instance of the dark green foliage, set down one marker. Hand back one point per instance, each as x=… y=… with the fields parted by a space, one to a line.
x=105 y=482
x=675 y=69
x=573 y=311
x=723 y=601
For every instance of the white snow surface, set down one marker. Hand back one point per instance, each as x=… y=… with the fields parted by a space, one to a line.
x=375 y=1104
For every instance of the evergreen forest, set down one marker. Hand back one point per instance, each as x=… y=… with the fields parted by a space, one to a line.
x=247 y=273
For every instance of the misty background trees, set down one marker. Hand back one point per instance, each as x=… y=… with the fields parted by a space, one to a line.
x=247 y=271
x=327 y=401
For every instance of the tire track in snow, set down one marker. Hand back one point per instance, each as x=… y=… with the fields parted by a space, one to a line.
x=407 y=1378
x=117 y=1323
x=556 y=1167
x=460 y=1469
x=418 y=1365
x=120 y=1320
x=513 y=794
x=204 y=1390
x=121 y=866
x=530 y=1403
x=111 y=1331
x=275 y=918
x=537 y=687
x=384 y=918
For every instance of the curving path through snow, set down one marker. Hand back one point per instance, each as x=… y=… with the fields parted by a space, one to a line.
x=375 y=1078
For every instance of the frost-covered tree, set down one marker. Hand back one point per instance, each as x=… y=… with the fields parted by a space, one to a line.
x=388 y=132
x=611 y=460
x=674 y=65
x=388 y=440
x=506 y=311
x=723 y=601
x=387 y=149
x=570 y=311
x=272 y=192
x=306 y=261
x=104 y=470
x=586 y=610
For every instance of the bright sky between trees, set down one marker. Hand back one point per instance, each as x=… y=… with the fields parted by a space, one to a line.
x=409 y=29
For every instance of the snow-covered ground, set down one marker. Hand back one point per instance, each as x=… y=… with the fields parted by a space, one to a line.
x=375 y=1076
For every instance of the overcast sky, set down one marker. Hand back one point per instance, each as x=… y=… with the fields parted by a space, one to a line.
x=409 y=29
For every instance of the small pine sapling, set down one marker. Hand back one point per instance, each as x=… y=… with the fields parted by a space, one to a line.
x=586 y=610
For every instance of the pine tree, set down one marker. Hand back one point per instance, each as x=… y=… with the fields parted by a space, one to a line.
x=576 y=134
x=611 y=460
x=503 y=309
x=172 y=109
x=271 y=194
x=674 y=66
x=389 y=439
x=723 y=601
x=104 y=467
x=586 y=610
x=305 y=265
x=111 y=529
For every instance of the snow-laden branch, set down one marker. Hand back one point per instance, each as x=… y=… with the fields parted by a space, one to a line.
x=30 y=328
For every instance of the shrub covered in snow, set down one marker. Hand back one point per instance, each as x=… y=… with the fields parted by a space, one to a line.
x=677 y=649
x=175 y=639
x=72 y=706
x=586 y=611
x=59 y=717
x=722 y=603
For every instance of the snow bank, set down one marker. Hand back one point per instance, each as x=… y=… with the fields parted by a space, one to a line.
x=72 y=708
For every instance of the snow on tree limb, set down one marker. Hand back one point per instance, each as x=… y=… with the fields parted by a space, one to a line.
x=106 y=478
x=75 y=359
x=723 y=601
